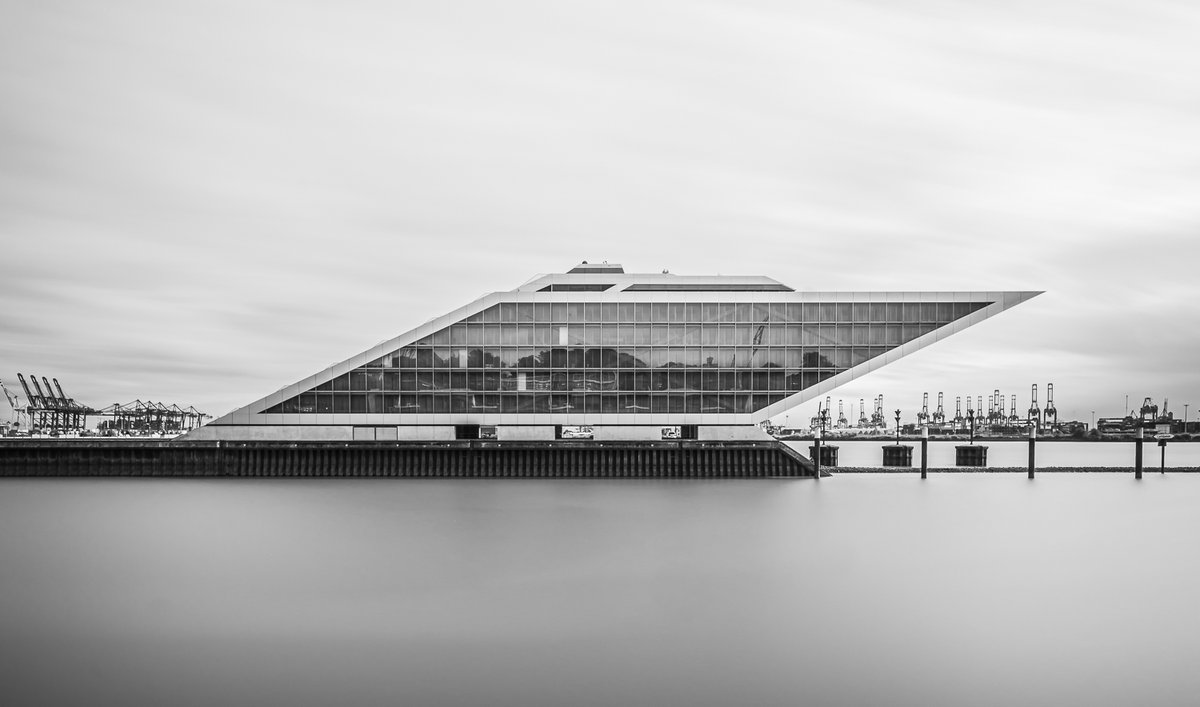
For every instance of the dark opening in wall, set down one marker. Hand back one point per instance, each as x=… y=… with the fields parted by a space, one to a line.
x=466 y=432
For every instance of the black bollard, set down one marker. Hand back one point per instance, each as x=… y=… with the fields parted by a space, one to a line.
x=1162 y=464
x=1032 y=441
x=817 y=456
x=1137 y=456
x=924 y=451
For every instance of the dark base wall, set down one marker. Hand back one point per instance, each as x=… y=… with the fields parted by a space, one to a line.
x=475 y=459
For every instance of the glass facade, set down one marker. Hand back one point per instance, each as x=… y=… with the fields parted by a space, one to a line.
x=626 y=357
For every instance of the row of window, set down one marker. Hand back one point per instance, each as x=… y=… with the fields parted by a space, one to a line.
x=611 y=358
x=461 y=402
x=771 y=379
x=675 y=334
x=757 y=312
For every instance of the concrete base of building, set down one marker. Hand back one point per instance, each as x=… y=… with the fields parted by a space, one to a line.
x=272 y=433
x=525 y=433
x=627 y=433
x=732 y=433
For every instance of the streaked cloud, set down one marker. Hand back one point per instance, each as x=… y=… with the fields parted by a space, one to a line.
x=246 y=192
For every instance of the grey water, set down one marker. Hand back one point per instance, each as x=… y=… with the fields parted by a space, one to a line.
x=979 y=589
x=1015 y=453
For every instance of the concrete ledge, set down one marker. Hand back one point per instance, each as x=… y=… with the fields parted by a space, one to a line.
x=737 y=433
x=271 y=433
x=528 y=433
x=621 y=433
x=424 y=433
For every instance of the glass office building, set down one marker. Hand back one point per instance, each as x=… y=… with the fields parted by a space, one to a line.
x=598 y=346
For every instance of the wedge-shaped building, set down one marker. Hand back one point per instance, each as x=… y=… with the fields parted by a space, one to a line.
x=624 y=353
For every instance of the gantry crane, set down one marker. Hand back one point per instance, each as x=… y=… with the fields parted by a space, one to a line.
x=959 y=420
x=1012 y=411
x=1050 y=413
x=1149 y=411
x=863 y=421
x=923 y=416
x=939 y=415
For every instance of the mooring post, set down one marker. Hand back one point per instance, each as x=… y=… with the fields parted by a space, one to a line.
x=924 y=450
x=1032 y=442
x=817 y=454
x=1137 y=455
x=1162 y=463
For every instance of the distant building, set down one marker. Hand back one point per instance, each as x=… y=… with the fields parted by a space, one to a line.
x=623 y=353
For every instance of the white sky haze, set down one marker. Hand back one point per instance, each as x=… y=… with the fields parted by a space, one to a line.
x=203 y=202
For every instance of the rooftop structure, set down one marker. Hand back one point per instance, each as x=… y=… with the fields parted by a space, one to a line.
x=624 y=353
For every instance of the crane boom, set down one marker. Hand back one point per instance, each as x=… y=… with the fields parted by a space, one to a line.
x=13 y=400
x=50 y=392
x=35 y=400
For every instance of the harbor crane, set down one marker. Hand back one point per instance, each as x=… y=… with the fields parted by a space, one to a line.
x=36 y=400
x=877 y=416
x=958 y=415
x=1013 y=419
x=939 y=415
x=828 y=412
x=842 y=422
x=1149 y=410
x=863 y=421
x=923 y=416
x=1050 y=413
x=1035 y=413
x=18 y=412
x=996 y=413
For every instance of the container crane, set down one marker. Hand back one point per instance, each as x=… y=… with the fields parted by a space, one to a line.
x=842 y=422
x=996 y=414
x=1050 y=412
x=877 y=416
x=958 y=416
x=923 y=416
x=1035 y=413
x=1149 y=410
x=1012 y=411
x=36 y=400
x=862 y=413
x=939 y=415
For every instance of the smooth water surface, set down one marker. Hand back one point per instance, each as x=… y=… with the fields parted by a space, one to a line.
x=980 y=589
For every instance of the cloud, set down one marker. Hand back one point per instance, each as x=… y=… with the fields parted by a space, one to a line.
x=265 y=187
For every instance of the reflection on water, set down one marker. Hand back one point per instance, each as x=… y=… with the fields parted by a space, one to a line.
x=962 y=589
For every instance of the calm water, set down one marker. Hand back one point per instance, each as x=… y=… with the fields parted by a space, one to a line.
x=1016 y=453
x=1073 y=589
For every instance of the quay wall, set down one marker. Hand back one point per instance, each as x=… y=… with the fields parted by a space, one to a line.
x=469 y=459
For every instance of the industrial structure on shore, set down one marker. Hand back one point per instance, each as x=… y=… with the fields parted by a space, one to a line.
x=993 y=420
x=624 y=354
x=49 y=411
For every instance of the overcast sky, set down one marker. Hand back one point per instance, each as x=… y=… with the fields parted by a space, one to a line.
x=202 y=202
